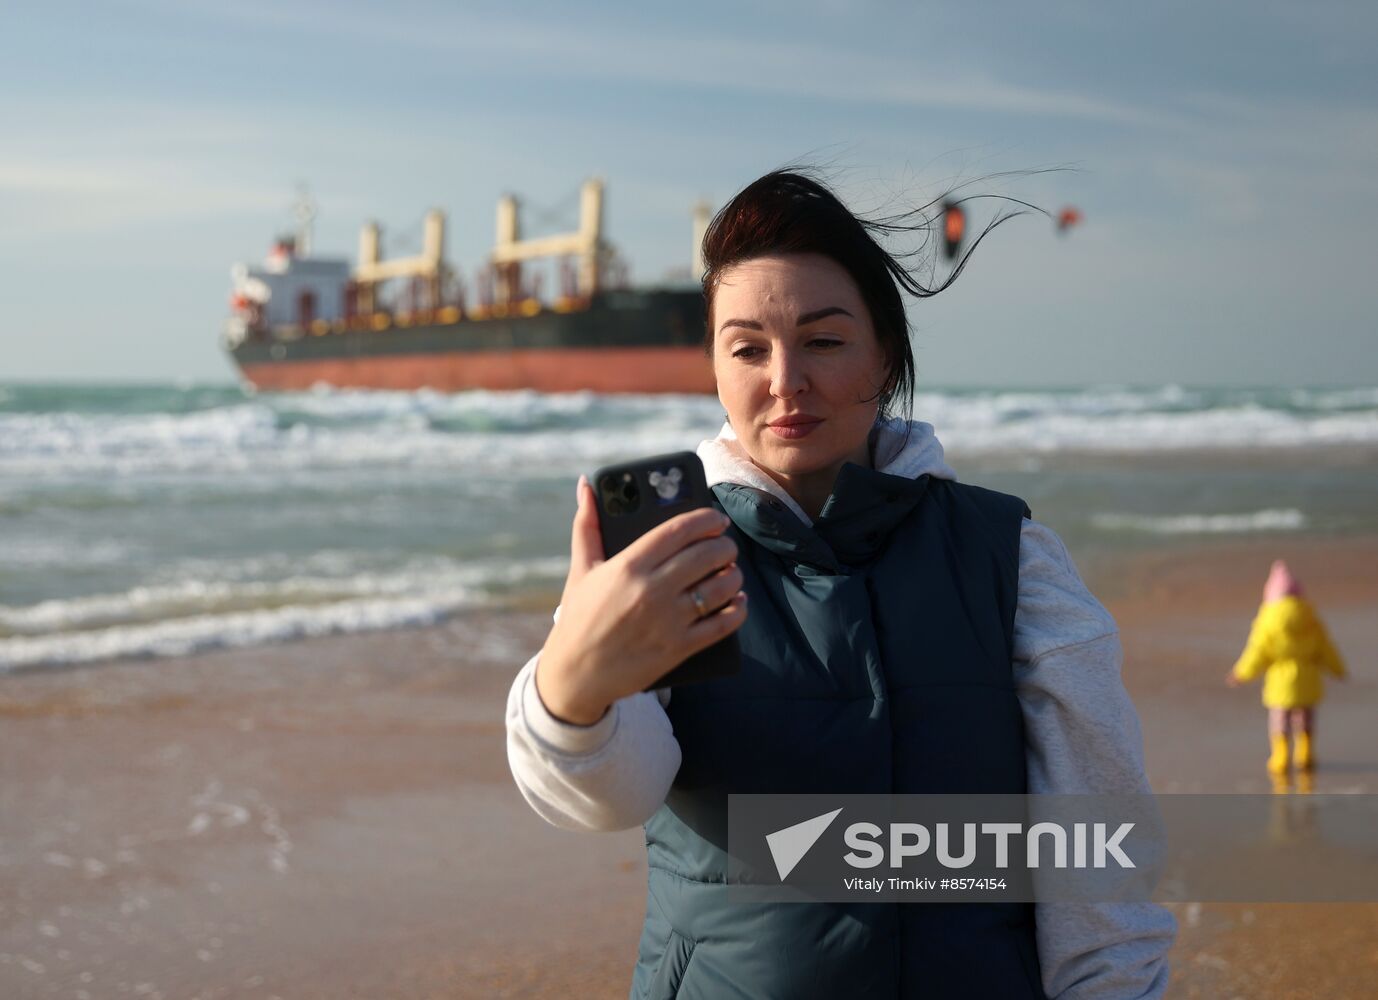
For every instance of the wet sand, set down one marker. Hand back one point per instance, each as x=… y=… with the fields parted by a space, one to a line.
x=335 y=818
x=1184 y=620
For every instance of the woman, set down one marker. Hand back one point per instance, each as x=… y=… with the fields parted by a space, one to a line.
x=900 y=632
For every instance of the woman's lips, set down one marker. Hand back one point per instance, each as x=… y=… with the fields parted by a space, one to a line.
x=791 y=431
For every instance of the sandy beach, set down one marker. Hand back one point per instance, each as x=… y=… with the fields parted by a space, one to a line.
x=335 y=818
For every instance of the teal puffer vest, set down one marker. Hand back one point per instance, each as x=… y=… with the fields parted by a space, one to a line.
x=875 y=658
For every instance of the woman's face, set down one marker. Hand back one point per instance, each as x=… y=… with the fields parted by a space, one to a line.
x=797 y=362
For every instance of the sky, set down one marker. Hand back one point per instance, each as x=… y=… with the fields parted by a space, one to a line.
x=1224 y=155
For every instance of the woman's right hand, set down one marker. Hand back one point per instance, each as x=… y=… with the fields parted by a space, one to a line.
x=627 y=621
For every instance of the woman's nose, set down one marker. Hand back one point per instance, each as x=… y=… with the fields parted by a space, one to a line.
x=787 y=375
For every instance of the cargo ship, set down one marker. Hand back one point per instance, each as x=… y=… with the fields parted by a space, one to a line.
x=298 y=320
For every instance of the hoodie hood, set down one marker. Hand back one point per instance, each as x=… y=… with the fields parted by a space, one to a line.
x=897 y=453
x=1281 y=583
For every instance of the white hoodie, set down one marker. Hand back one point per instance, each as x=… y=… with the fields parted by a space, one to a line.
x=1081 y=731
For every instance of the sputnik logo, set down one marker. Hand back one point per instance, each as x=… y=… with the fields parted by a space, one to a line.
x=788 y=846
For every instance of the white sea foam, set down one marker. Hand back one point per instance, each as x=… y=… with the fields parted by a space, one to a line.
x=1243 y=429
x=1335 y=399
x=1203 y=524
x=437 y=580
x=486 y=431
x=38 y=552
x=349 y=430
x=181 y=636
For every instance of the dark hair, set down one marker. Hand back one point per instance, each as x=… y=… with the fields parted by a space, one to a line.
x=788 y=211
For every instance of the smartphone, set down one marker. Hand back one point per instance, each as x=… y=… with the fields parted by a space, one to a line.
x=634 y=497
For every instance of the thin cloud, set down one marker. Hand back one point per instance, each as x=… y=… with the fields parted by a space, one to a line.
x=602 y=52
x=53 y=197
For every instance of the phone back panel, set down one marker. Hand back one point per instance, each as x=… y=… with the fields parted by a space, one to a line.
x=634 y=497
x=657 y=502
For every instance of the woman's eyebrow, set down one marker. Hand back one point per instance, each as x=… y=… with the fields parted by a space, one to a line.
x=804 y=320
x=817 y=314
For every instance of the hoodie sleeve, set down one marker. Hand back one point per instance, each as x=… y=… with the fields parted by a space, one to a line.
x=611 y=775
x=1082 y=735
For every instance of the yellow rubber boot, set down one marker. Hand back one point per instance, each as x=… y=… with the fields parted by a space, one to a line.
x=1277 y=763
x=1302 y=746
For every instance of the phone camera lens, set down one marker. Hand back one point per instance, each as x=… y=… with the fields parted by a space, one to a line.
x=620 y=493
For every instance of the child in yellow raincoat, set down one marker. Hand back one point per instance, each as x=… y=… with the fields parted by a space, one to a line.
x=1289 y=646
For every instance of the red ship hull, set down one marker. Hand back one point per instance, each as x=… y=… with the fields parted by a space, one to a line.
x=561 y=369
x=633 y=341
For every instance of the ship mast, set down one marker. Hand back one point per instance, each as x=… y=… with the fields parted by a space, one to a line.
x=305 y=211
x=703 y=214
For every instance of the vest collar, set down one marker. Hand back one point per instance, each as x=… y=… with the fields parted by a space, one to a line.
x=864 y=507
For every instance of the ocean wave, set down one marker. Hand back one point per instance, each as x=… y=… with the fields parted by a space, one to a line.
x=984 y=407
x=1334 y=399
x=487 y=432
x=1245 y=428
x=38 y=552
x=433 y=580
x=1288 y=519
x=481 y=430
x=164 y=520
x=199 y=633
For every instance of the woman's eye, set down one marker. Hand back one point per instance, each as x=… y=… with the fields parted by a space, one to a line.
x=826 y=343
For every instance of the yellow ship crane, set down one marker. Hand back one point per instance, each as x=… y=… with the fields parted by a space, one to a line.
x=586 y=245
x=428 y=265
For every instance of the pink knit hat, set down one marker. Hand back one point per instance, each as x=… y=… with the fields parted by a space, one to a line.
x=1281 y=583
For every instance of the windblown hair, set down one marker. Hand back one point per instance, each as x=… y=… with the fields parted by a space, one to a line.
x=790 y=211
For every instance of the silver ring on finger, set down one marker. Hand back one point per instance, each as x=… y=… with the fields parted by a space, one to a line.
x=699 y=605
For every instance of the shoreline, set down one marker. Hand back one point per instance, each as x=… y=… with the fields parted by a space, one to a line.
x=1100 y=560
x=334 y=816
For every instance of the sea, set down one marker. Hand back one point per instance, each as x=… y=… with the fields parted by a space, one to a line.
x=156 y=520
